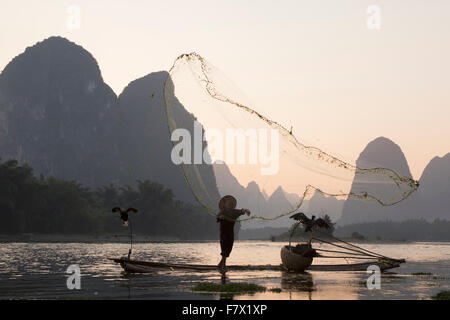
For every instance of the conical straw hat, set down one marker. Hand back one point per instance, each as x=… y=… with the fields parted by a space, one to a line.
x=227 y=203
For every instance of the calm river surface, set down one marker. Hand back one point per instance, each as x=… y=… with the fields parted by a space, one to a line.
x=38 y=271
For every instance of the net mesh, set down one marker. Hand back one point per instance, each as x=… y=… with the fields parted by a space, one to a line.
x=214 y=124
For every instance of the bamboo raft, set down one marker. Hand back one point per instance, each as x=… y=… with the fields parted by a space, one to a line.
x=291 y=261
x=136 y=266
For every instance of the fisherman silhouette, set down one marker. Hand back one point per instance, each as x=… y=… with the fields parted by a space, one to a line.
x=227 y=218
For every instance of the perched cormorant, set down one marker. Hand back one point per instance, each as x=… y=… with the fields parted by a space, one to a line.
x=124 y=213
x=310 y=223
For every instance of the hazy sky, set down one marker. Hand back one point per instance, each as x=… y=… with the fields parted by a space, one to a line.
x=314 y=65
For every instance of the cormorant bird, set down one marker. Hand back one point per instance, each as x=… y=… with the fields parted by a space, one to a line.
x=124 y=217
x=310 y=223
x=124 y=213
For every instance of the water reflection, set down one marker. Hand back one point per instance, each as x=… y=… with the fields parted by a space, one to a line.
x=38 y=270
x=297 y=282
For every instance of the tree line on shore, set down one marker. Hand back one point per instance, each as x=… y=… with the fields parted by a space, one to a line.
x=47 y=205
x=412 y=229
x=408 y=230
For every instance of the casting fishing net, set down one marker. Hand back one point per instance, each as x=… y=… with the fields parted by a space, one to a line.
x=212 y=124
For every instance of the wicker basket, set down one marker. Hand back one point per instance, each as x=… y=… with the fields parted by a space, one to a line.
x=293 y=261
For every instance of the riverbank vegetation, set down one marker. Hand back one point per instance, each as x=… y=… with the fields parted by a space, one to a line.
x=409 y=230
x=382 y=231
x=29 y=204
x=443 y=295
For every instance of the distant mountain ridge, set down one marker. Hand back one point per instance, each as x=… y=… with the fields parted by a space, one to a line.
x=57 y=115
x=433 y=196
x=144 y=138
x=384 y=153
x=321 y=205
x=430 y=201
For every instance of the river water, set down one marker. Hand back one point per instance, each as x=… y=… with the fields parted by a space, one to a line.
x=38 y=271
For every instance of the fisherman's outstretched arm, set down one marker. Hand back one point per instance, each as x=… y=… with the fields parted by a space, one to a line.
x=244 y=211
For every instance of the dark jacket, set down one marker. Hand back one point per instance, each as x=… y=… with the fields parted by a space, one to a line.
x=227 y=219
x=230 y=215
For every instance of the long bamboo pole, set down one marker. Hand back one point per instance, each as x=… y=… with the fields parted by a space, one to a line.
x=352 y=245
x=336 y=245
x=337 y=251
x=345 y=257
